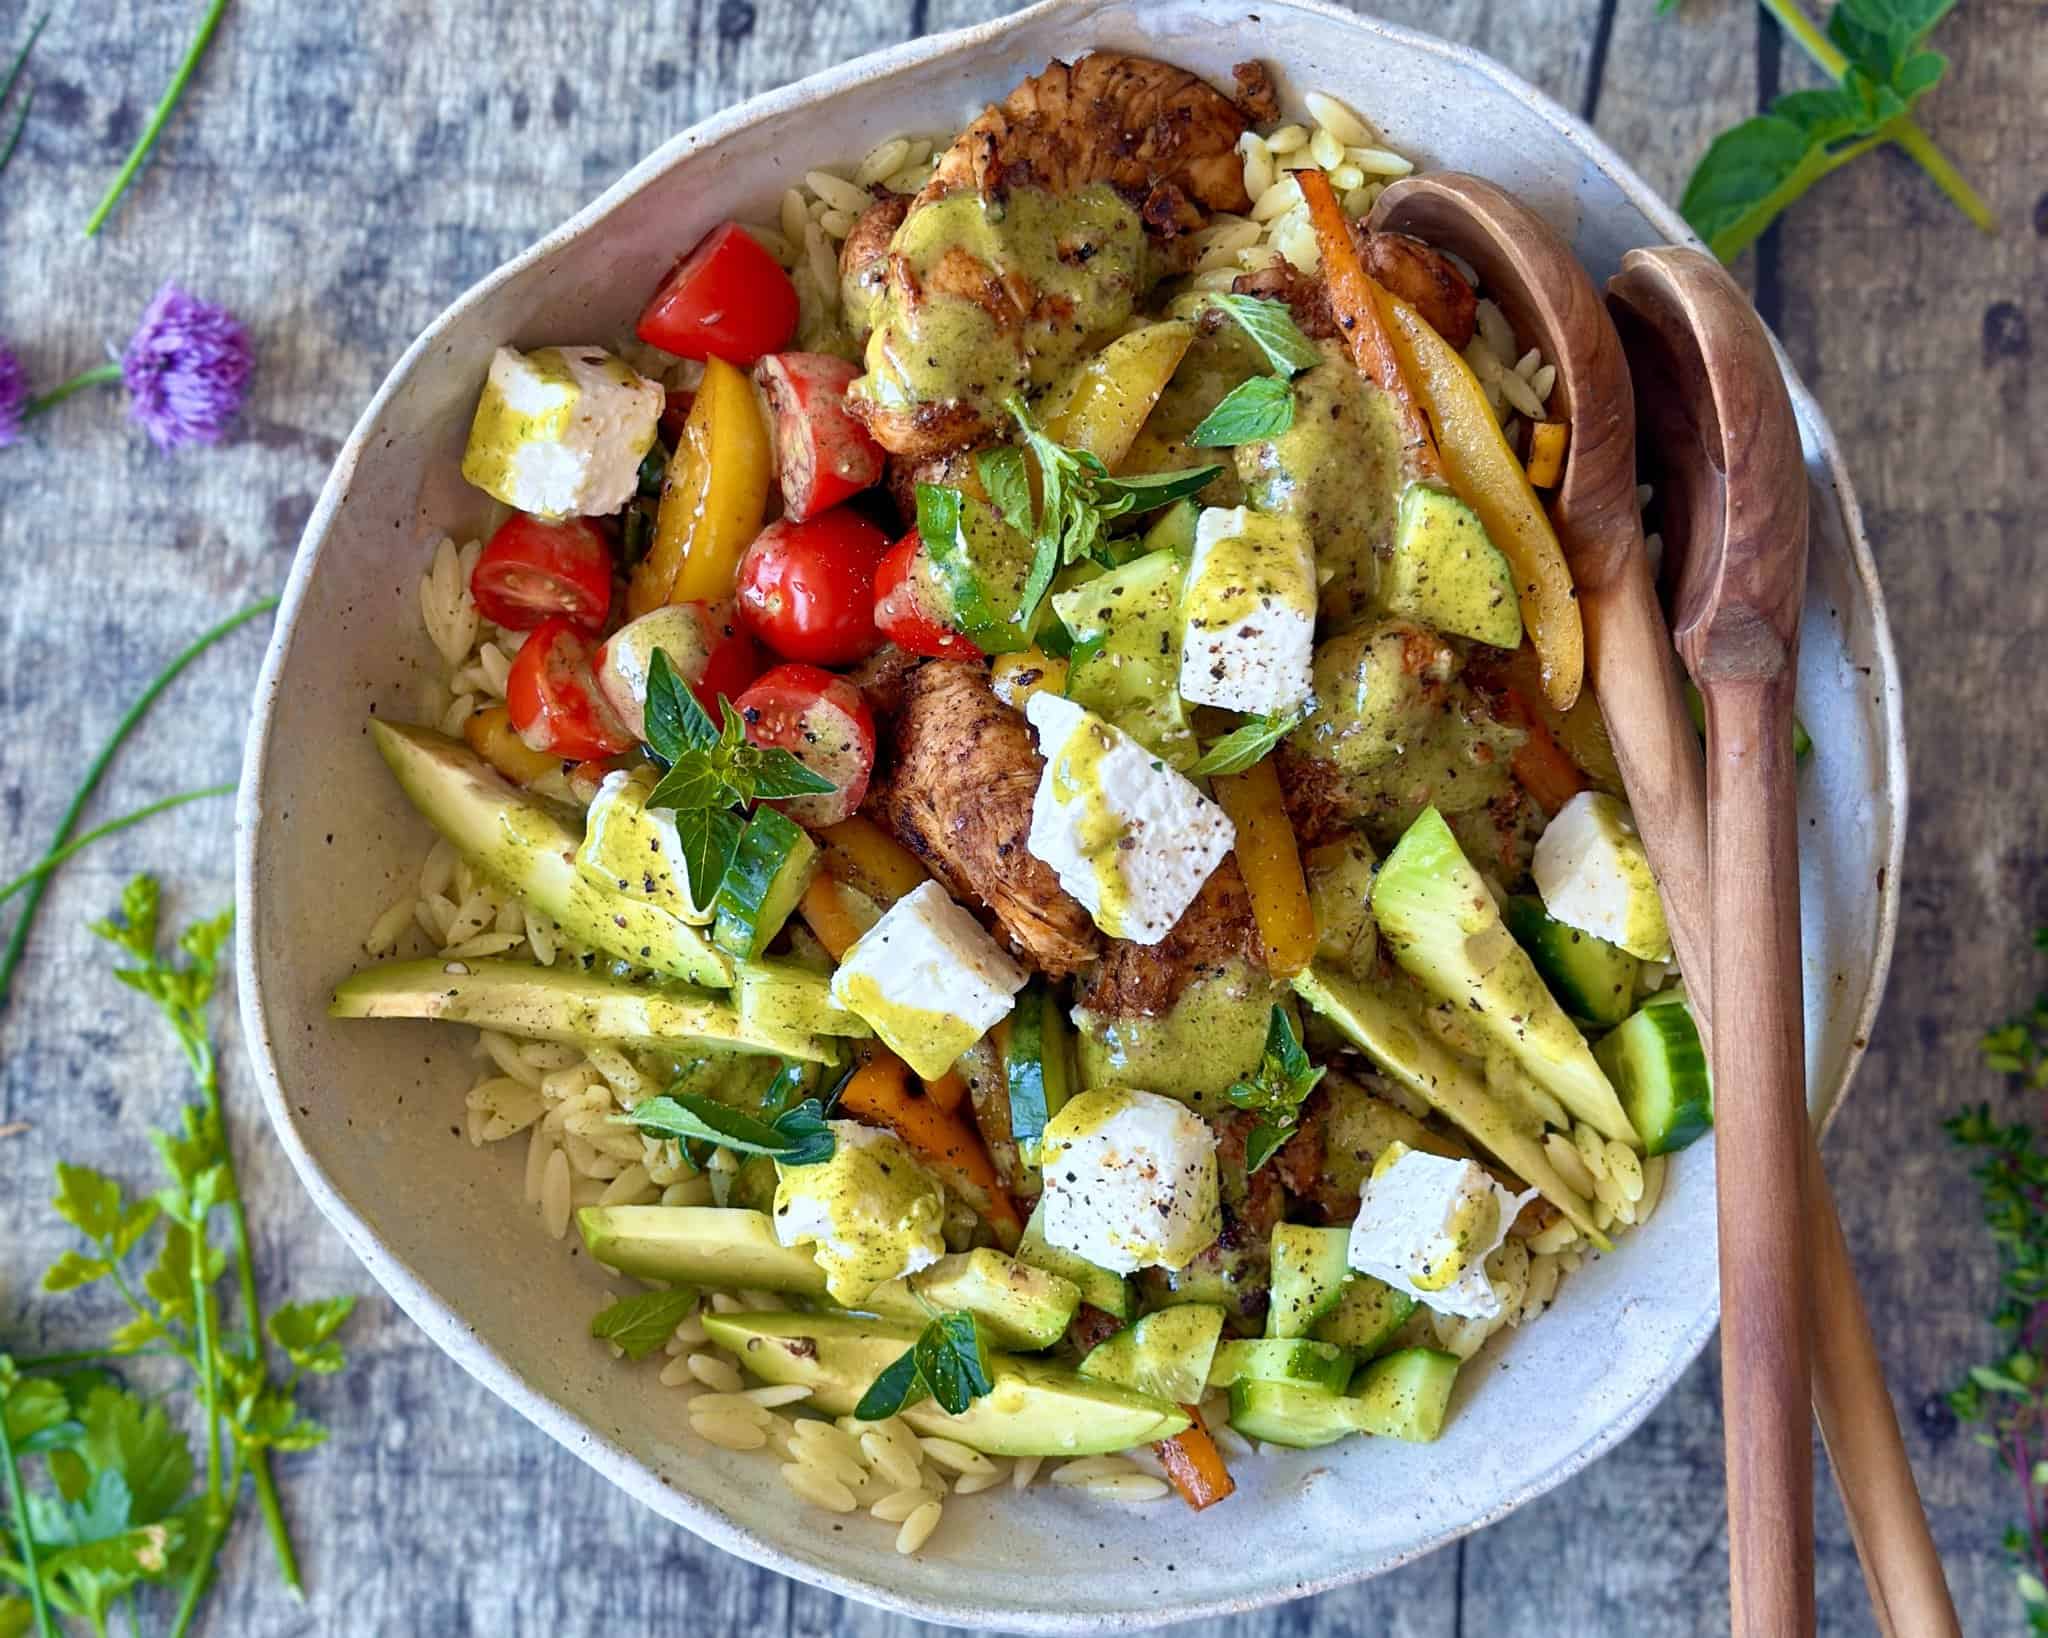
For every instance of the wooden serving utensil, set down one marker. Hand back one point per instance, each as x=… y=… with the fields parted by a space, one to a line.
x=1547 y=296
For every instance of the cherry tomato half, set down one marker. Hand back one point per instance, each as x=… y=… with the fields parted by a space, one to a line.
x=552 y=695
x=906 y=605
x=807 y=590
x=704 y=645
x=822 y=721
x=822 y=454
x=727 y=299
x=534 y=570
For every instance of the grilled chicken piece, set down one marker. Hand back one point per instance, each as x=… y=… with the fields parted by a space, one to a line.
x=864 y=260
x=959 y=796
x=950 y=469
x=1424 y=278
x=1146 y=979
x=1257 y=99
x=883 y=677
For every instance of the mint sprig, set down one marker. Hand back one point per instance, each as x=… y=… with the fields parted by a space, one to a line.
x=949 y=1362
x=1276 y=1091
x=642 y=1323
x=1248 y=743
x=796 y=1137
x=1262 y=407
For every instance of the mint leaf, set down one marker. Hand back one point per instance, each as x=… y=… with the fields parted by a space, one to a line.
x=691 y=1117
x=641 y=1324
x=1271 y=326
x=1008 y=482
x=1747 y=177
x=1263 y=1143
x=803 y=1128
x=676 y=722
x=1275 y=1093
x=1117 y=497
x=953 y=1362
x=899 y=1384
x=1080 y=496
x=1262 y=407
x=1246 y=744
x=1882 y=37
x=711 y=765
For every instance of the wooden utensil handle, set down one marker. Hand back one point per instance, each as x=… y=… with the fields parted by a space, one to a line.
x=1761 y=1145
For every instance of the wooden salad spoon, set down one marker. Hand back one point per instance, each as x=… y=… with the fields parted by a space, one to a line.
x=1549 y=299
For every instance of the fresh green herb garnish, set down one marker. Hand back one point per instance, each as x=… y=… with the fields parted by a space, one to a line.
x=1246 y=744
x=1874 y=49
x=117 y=1514
x=14 y=72
x=1262 y=407
x=158 y=118
x=640 y=1324
x=1007 y=479
x=949 y=1361
x=2007 y=1397
x=796 y=1137
x=1276 y=1090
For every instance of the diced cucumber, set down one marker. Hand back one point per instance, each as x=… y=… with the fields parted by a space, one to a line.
x=1174 y=529
x=1310 y=1266
x=779 y=998
x=1038 y=1066
x=1660 y=1072
x=1125 y=665
x=1405 y=1395
x=770 y=869
x=1100 y=1287
x=982 y=563
x=1595 y=980
x=1280 y=1413
x=1295 y=1361
x=1166 y=1354
x=1367 y=1315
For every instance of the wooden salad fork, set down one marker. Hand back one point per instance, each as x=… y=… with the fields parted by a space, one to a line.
x=1528 y=268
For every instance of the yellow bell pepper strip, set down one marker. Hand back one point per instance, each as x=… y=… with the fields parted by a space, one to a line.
x=1110 y=396
x=1270 y=862
x=491 y=735
x=1547 y=440
x=837 y=914
x=712 y=498
x=863 y=855
x=1194 y=1464
x=1485 y=475
x=879 y=1093
x=1353 y=298
x=1017 y=677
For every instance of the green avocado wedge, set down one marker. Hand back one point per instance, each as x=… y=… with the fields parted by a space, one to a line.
x=1034 y=1409
x=529 y=845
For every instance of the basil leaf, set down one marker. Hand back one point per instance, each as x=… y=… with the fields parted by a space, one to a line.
x=897 y=1386
x=953 y=1362
x=1263 y=1143
x=1246 y=744
x=803 y=1128
x=1262 y=407
x=1008 y=482
x=642 y=1323
x=707 y=838
x=771 y=775
x=694 y=1118
x=1271 y=326
x=1275 y=1093
x=676 y=723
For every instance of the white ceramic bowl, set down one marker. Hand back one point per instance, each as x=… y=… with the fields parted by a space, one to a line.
x=325 y=840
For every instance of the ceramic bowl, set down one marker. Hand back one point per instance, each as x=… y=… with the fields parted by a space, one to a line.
x=366 y=1111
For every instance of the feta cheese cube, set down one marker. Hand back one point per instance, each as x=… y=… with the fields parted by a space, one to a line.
x=1130 y=1181
x=561 y=431
x=870 y=1214
x=1594 y=875
x=1426 y=1225
x=929 y=980
x=1248 y=610
x=1128 y=836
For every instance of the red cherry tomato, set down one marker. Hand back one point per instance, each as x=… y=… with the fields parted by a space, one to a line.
x=727 y=299
x=906 y=606
x=553 y=699
x=534 y=570
x=807 y=590
x=822 y=454
x=822 y=721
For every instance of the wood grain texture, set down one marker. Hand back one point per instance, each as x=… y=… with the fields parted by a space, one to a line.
x=339 y=173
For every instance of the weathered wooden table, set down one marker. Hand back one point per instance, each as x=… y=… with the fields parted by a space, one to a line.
x=339 y=172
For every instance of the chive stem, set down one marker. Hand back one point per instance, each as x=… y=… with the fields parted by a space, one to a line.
x=50 y=861
x=157 y=120
x=98 y=374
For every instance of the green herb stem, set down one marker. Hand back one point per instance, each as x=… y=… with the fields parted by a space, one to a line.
x=50 y=861
x=157 y=120
x=209 y=1368
x=98 y=375
x=18 y=940
x=205 y=1562
x=17 y=1503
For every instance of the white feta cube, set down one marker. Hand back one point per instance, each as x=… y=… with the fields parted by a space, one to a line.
x=1130 y=1181
x=1594 y=874
x=1426 y=1225
x=929 y=979
x=1128 y=836
x=870 y=1214
x=1248 y=610
x=561 y=431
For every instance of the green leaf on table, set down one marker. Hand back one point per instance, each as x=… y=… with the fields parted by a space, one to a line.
x=89 y=1201
x=1262 y=407
x=17 y=1617
x=642 y=1323
x=73 y=1269
x=304 y=1330
x=136 y=1439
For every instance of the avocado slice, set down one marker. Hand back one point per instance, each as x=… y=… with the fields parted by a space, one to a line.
x=1381 y=1028
x=1166 y=1354
x=727 y=1247
x=564 y=1004
x=1447 y=574
x=1099 y=1287
x=1442 y=926
x=529 y=845
x=1034 y=1409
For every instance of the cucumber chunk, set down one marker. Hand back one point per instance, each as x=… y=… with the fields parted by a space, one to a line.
x=1659 y=1070
x=770 y=869
x=1125 y=664
x=1405 y=1395
x=1167 y=1354
x=1310 y=1266
x=1365 y=1317
x=1037 y=1065
x=1100 y=1287
x=1595 y=980
x=1295 y=1361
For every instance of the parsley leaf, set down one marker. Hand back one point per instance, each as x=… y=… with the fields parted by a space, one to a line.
x=797 y=1137
x=1275 y=1093
x=1247 y=743
x=1271 y=326
x=1262 y=407
x=712 y=766
x=640 y=1324
x=949 y=1361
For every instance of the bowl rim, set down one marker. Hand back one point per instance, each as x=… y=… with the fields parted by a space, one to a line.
x=426 y=1309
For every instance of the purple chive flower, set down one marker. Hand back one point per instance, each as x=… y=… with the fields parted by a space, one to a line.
x=13 y=396
x=187 y=369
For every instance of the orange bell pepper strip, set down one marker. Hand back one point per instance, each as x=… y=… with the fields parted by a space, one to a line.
x=1541 y=766
x=712 y=497
x=491 y=735
x=835 y=913
x=859 y=852
x=1269 y=859
x=1194 y=1464
x=879 y=1093
x=949 y=1091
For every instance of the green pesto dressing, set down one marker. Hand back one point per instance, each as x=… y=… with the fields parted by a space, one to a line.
x=1078 y=258
x=1099 y=830
x=1208 y=1040
x=882 y=1209
x=927 y=1041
